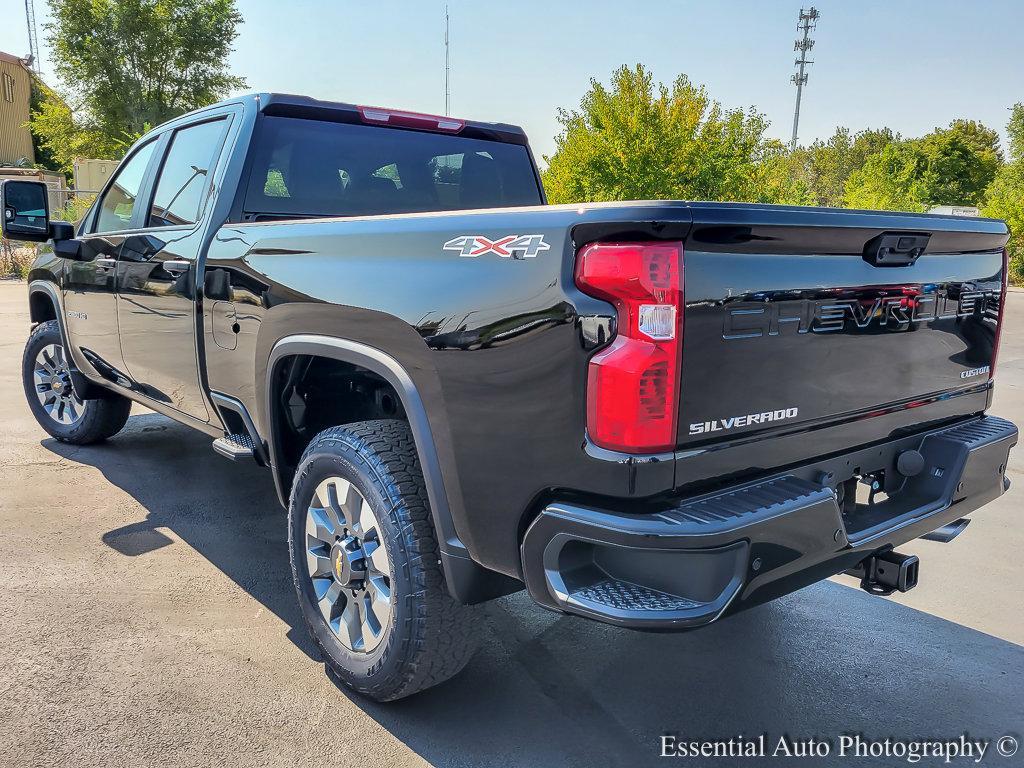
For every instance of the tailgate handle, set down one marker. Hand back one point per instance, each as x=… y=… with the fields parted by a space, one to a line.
x=895 y=249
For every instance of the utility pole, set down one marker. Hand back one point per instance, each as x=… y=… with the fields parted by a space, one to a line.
x=447 y=67
x=808 y=21
x=33 y=42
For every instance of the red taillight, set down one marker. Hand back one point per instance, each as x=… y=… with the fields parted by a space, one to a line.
x=1002 y=316
x=633 y=384
x=394 y=117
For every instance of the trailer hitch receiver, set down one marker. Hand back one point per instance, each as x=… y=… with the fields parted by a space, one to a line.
x=886 y=572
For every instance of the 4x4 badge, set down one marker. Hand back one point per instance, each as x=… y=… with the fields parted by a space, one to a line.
x=509 y=246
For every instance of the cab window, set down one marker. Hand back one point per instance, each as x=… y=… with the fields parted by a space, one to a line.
x=118 y=203
x=316 y=168
x=185 y=176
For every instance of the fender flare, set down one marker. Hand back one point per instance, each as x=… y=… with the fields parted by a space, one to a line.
x=48 y=288
x=467 y=581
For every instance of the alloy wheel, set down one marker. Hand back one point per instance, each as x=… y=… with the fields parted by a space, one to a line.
x=348 y=564
x=52 y=380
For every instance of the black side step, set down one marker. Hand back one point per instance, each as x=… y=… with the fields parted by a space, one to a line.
x=242 y=440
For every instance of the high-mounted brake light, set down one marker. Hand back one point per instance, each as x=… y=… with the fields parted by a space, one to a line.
x=633 y=384
x=394 y=117
x=1001 y=320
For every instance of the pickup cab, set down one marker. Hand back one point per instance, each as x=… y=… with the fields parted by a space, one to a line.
x=652 y=414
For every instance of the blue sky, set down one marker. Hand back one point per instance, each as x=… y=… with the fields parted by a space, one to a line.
x=909 y=65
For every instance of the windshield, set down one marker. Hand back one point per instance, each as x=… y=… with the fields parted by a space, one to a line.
x=308 y=167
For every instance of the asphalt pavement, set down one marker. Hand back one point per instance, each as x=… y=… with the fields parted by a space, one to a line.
x=147 y=619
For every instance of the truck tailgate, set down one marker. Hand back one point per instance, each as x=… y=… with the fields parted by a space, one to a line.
x=792 y=322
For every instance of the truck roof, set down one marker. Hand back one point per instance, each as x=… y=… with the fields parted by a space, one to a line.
x=292 y=105
x=308 y=108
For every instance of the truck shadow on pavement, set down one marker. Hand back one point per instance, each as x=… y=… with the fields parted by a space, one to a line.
x=553 y=690
x=226 y=511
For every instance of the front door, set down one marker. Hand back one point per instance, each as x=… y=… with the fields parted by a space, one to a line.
x=89 y=286
x=157 y=272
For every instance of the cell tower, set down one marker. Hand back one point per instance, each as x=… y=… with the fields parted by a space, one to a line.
x=33 y=42
x=808 y=21
x=447 y=67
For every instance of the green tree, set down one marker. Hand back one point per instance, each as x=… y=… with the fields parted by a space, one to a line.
x=60 y=139
x=982 y=140
x=638 y=140
x=950 y=166
x=887 y=180
x=1015 y=129
x=824 y=167
x=129 y=64
x=1005 y=199
x=40 y=94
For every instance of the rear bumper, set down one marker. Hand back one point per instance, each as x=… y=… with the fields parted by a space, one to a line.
x=696 y=560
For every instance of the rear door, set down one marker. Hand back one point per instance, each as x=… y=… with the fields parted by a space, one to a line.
x=157 y=271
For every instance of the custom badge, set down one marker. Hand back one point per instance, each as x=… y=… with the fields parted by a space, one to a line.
x=509 y=246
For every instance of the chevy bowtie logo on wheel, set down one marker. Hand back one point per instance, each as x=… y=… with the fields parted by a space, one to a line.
x=509 y=246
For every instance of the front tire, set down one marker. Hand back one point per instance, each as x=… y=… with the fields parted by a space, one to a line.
x=365 y=563
x=46 y=376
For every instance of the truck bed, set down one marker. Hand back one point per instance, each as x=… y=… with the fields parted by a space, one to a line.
x=499 y=346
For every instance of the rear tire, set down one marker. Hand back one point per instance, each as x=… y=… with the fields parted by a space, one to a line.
x=46 y=376
x=365 y=564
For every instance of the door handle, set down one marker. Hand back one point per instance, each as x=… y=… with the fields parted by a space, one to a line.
x=105 y=262
x=176 y=266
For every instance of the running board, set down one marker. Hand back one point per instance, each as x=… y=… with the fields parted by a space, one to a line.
x=235 y=447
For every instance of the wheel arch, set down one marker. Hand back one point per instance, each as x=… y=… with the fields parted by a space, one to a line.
x=42 y=306
x=467 y=581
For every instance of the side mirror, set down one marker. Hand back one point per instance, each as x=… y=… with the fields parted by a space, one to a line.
x=64 y=242
x=26 y=210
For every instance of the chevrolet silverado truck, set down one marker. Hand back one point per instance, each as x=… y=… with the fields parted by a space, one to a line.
x=651 y=414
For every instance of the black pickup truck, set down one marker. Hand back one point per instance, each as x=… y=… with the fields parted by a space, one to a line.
x=652 y=414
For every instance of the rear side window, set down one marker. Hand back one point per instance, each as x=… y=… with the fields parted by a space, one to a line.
x=313 y=168
x=118 y=201
x=185 y=176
